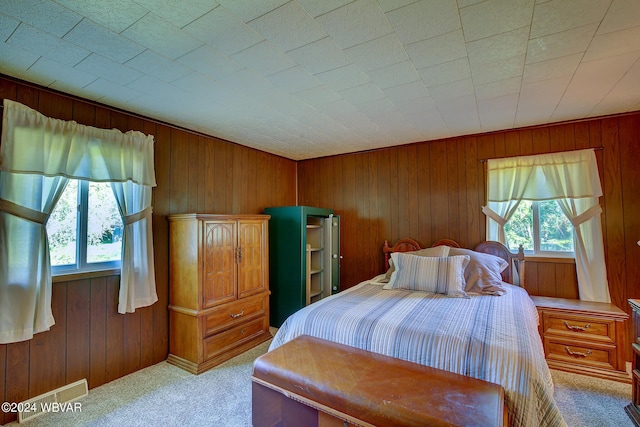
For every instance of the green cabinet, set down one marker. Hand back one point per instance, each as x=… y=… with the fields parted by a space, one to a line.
x=304 y=258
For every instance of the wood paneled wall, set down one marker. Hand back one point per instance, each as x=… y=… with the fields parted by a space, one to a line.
x=434 y=190
x=427 y=190
x=194 y=173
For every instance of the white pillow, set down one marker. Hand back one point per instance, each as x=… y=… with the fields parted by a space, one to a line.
x=439 y=275
x=483 y=273
x=436 y=251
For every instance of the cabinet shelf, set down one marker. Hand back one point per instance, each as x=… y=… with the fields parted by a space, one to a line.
x=303 y=268
x=315 y=293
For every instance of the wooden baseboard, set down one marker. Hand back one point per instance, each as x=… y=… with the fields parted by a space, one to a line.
x=607 y=374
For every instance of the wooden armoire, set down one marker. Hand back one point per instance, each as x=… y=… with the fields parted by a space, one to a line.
x=219 y=287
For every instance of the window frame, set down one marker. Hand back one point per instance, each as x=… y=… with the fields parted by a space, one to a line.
x=537 y=252
x=82 y=265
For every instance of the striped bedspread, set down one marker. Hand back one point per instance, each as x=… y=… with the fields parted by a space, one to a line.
x=487 y=337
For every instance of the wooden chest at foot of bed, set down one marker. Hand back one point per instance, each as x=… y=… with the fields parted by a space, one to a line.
x=313 y=382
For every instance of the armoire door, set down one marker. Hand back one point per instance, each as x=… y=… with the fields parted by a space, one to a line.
x=219 y=264
x=253 y=268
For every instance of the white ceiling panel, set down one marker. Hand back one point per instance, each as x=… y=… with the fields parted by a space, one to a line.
x=7 y=26
x=264 y=58
x=294 y=79
x=114 y=15
x=44 y=44
x=21 y=60
x=206 y=60
x=322 y=55
x=590 y=84
x=179 y=13
x=544 y=70
x=622 y=15
x=94 y=38
x=493 y=17
x=51 y=17
x=437 y=50
x=560 y=44
x=62 y=73
x=316 y=8
x=498 y=88
x=288 y=27
x=378 y=53
x=109 y=92
x=626 y=92
x=560 y=15
x=246 y=10
x=400 y=94
x=309 y=78
x=446 y=72
x=355 y=23
x=343 y=77
x=224 y=31
x=538 y=100
x=158 y=66
x=424 y=19
x=612 y=44
x=96 y=65
x=399 y=73
x=161 y=36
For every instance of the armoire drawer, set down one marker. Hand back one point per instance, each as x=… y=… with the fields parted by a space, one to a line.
x=579 y=327
x=233 y=313
x=226 y=340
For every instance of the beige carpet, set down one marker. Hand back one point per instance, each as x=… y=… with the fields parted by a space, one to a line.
x=586 y=401
x=164 y=395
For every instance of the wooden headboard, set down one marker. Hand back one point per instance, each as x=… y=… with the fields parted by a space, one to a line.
x=516 y=261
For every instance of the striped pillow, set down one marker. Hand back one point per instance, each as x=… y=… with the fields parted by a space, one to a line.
x=438 y=275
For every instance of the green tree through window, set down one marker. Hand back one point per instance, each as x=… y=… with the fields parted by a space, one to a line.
x=85 y=228
x=541 y=228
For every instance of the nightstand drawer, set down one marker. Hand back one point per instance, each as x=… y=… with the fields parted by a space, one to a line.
x=580 y=352
x=579 y=327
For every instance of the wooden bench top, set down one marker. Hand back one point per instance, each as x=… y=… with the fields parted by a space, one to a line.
x=377 y=389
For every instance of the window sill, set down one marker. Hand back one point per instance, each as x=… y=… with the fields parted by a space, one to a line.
x=550 y=259
x=81 y=275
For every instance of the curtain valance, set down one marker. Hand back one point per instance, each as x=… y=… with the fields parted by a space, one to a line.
x=53 y=147
x=38 y=155
x=571 y=178
x=574 y=175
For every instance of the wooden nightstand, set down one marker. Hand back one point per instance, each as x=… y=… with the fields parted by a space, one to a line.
x=583 y=337
x=633 y=409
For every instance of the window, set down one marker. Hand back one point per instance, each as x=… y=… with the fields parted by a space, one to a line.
x=541 y=228
x=85 y=229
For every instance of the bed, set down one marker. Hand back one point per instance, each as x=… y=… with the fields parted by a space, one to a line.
x=486 y=330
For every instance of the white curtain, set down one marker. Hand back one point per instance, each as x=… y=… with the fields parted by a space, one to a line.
x=37 y=155
x=572 y=179
x=134 y=203
x=498 y=214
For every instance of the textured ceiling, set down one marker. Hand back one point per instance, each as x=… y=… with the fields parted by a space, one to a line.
x=310 y=78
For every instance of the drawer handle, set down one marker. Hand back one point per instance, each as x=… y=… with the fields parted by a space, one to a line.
x=235 y=316
x=577 y=354
x=576 y=328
